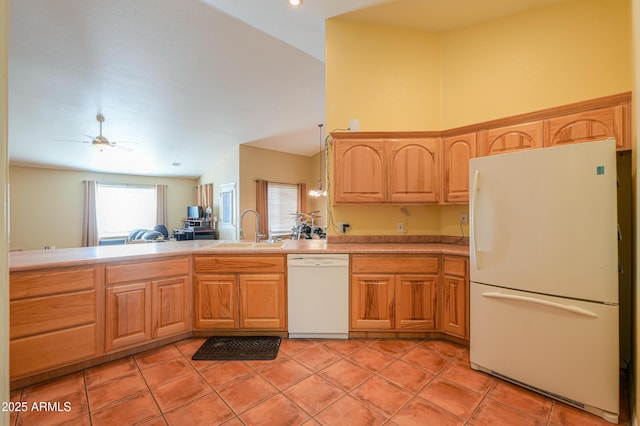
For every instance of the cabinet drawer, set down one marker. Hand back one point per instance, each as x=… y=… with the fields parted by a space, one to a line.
x=394 y=265
x=239 y=264
x=51 y=281
x=456 y=266
x=45 y=351
x=141 y=271
x=43 y=314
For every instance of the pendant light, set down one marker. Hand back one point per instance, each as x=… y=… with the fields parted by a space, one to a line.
x=295 y=2
x=319 y=192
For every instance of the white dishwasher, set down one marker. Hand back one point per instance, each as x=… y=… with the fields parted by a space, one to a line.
x=318 y=296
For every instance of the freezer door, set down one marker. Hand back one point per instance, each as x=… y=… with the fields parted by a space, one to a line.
x=565 y=347
x=545 y=221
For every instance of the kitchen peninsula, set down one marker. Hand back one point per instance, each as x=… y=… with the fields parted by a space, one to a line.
x=78 y=307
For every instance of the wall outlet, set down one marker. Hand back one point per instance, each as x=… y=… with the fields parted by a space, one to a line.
x=400 y=227
x=343 y=227
x=464 y=217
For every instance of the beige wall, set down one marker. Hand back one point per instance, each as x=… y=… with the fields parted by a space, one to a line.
x=224 y=170
x=397 y=79
x=47 y=204
x=274 y=166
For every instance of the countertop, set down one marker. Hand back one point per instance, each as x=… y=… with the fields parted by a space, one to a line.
x=38 y=259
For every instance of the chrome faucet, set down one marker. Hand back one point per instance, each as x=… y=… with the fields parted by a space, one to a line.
x=257 y=224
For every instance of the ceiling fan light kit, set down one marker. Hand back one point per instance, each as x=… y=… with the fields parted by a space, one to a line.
x=101 y=143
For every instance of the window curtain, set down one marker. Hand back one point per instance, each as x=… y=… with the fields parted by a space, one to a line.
x=161 y=208
x=203 y=196
x=262 y=205
x=302 y=197
x=90 y=218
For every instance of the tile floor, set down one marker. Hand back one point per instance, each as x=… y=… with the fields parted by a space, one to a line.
x=311 y=382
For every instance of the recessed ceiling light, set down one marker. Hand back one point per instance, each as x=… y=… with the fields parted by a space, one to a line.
x=295 y=2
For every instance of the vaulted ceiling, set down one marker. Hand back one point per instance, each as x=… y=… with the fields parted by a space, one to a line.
x=183 y=80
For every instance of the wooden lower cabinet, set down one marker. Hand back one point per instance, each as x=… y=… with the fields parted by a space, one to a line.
x=146 y=300
x=399 y=295
x=240 y=292
x=416 y=297
x=372 y=302
x=410 y=293
x=170 y=306
x=55 y=318
x=262 y=301
x=455 y=286
x=216 y=301
x=128 y=315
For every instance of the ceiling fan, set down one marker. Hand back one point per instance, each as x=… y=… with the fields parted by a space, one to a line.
x=101 y=143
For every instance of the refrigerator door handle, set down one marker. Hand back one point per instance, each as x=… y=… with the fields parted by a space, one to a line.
x=474 y=203
x=569 y=308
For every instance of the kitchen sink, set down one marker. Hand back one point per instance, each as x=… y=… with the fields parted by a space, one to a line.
x=246 y=245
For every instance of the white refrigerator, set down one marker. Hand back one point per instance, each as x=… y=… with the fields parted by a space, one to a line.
x=544 y=272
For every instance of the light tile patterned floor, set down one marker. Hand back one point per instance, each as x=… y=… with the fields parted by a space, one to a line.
x=311 y=382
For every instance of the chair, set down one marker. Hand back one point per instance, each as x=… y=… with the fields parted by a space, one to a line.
x=151 y=235
x=162 y=229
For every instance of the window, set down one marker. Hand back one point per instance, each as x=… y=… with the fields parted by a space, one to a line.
x=122 y=208
x=283 y=202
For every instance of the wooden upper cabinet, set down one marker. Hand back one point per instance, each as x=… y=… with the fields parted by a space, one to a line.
x=359 y=171
x=511 y=138
x=587 y=126
x=414 y=170
x=457 y=150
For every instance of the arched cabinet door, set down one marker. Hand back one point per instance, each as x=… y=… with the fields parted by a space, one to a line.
x=414 y=166
x=359 y=171
x=457 y=150
x=587 y=126
x=511 y=138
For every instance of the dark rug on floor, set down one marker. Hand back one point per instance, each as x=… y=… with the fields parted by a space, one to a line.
x=238 y=348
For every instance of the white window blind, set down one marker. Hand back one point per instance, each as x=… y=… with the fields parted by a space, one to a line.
x=122 y=208
x=283 y=202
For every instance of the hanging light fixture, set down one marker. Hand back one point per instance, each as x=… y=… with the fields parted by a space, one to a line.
x=295 y=2
x=319 y=192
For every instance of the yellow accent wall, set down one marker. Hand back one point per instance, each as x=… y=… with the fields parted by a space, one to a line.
x=388 y=78
x=564 y=53
x=398 y=79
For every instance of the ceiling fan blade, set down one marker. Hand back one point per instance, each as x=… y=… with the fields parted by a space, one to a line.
x=123 y=146
x=70 y=140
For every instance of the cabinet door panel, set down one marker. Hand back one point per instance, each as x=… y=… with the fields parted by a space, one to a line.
x=414 y=170
x=416 y=302
x=586 y=127
x=360 y=171
x=216 y=301
x=511 y=138
x=262 y=301
x=128 y=315
x=372 y=302
x=457 y=152
x=170 y=307
x=455 y=306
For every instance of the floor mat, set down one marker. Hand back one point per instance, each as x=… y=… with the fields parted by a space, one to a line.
x=238 y=348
